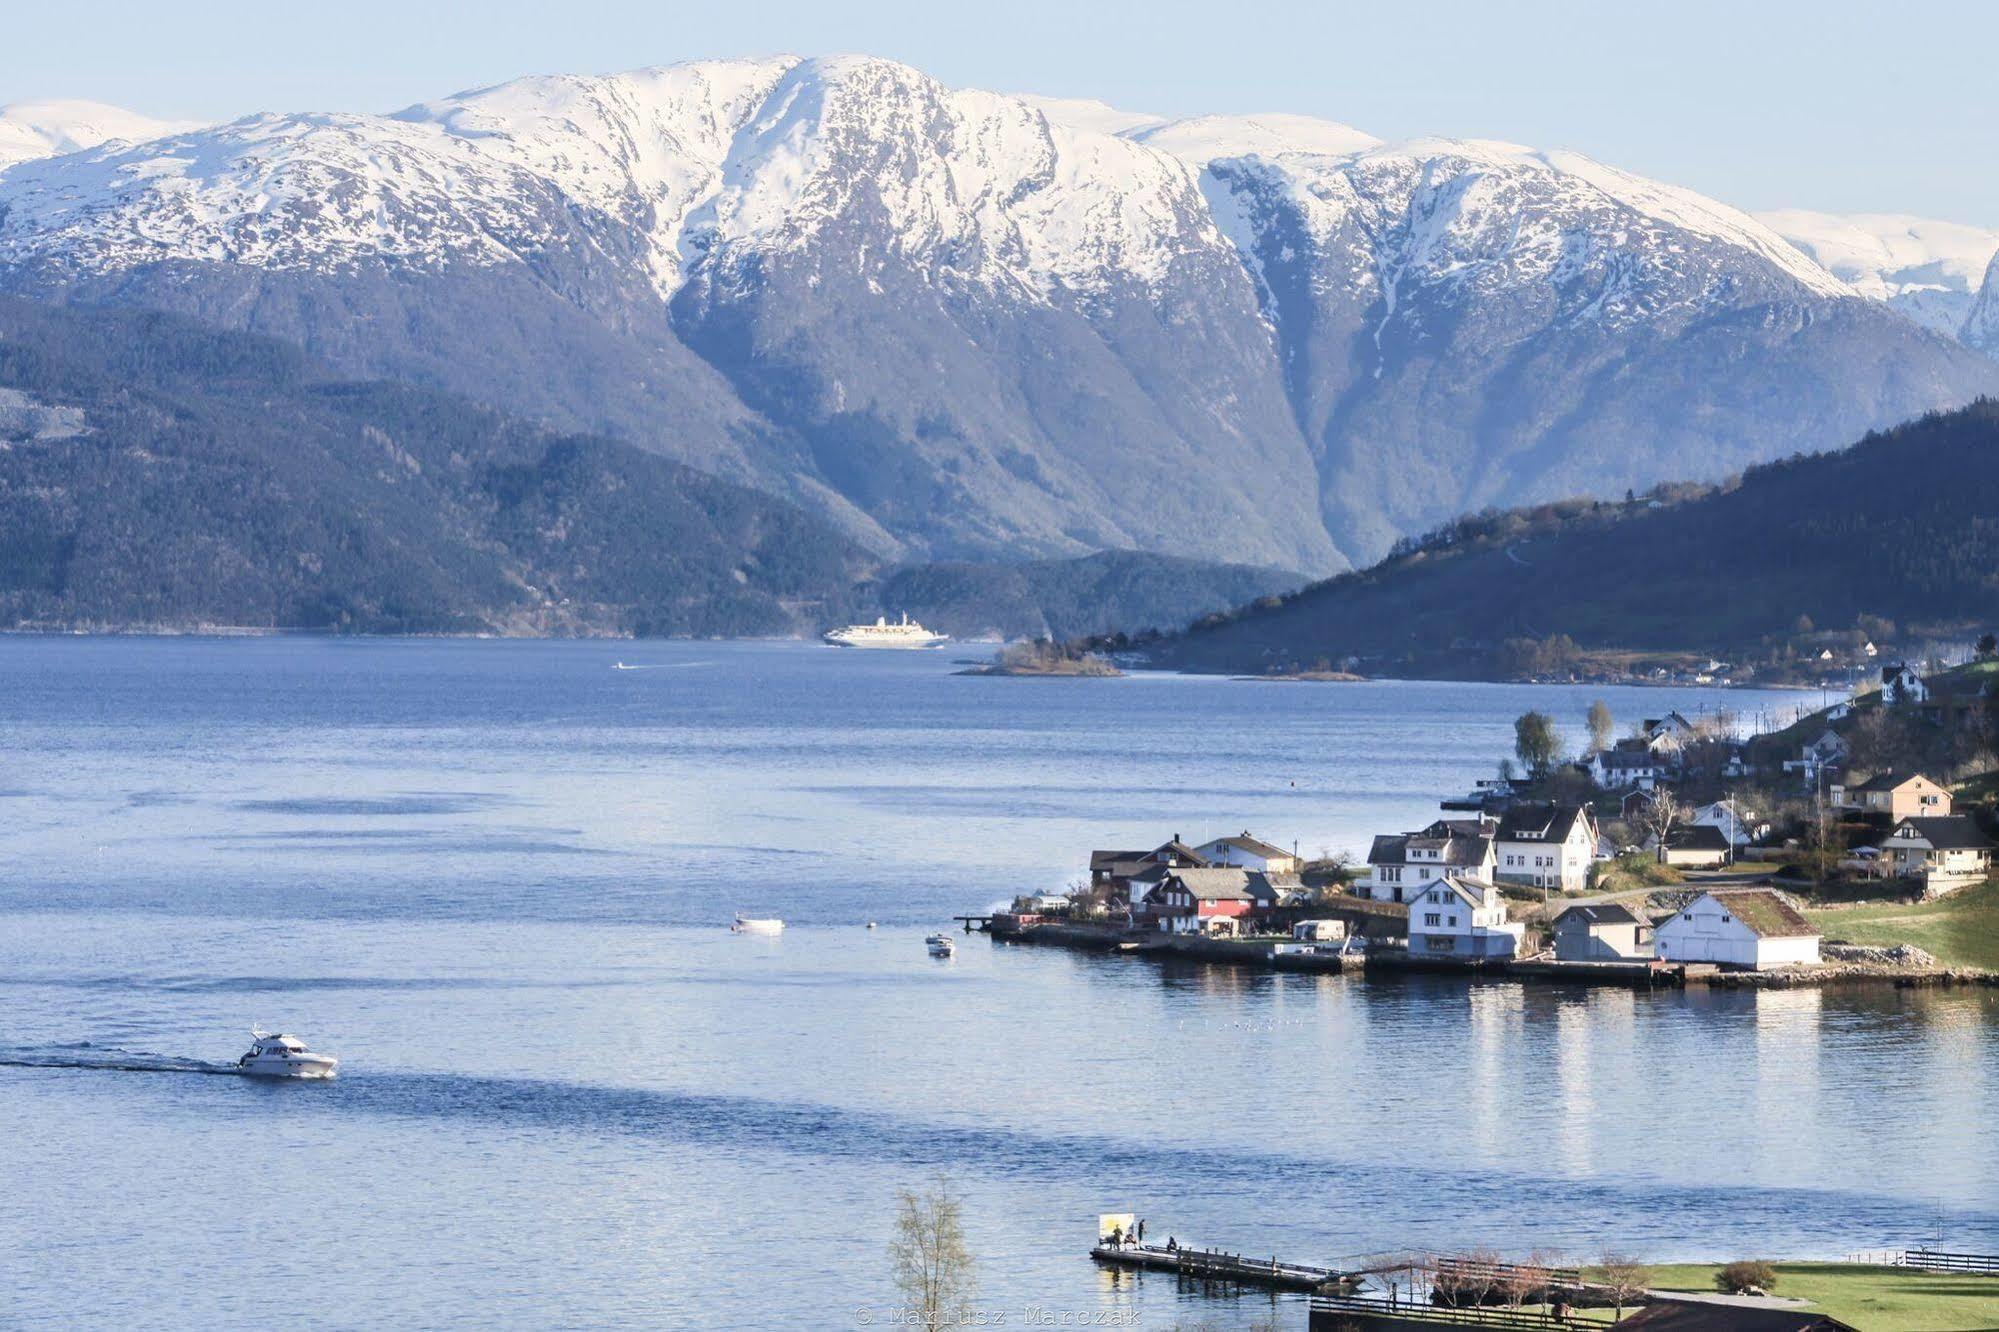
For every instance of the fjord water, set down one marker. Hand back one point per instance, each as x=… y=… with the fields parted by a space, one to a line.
x=494 y=878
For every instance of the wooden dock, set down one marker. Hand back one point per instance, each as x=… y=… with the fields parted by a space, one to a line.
x=1214 y=1265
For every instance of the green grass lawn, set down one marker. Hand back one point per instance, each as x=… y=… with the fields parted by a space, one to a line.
x=1870 y=1298
x=1962 y=929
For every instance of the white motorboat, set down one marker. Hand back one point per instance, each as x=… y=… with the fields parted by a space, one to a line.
x=281 y=1056
x=941 y=945
x=884 y=633
x=757 y=925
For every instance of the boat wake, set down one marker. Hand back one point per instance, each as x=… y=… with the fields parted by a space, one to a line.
x=108 y=1059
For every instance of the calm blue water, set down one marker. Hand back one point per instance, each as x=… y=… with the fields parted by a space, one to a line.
x=493 y=878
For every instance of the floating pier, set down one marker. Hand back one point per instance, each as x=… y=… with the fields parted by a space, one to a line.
x=1217 y=1266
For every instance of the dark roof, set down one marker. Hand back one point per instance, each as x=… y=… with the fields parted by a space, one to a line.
x=1891 y=671
x=1388 y=849
x=1697 y=837
x=1112 y=860
x=1479 y=827
x=1602 y=913
x=1703 y=1316
x=1886 y=781
x=1214 y=885
x=1947 y=832
x=1180 y=851
x=1452 y=848
x=1538 y=821
x=1765 y=912
x=1631 y=758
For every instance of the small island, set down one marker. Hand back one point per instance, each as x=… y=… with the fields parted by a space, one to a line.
x=1041 y=657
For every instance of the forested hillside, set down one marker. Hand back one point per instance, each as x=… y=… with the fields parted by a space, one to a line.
x=1900 y=532
x=156 y=473
x=1061 y=599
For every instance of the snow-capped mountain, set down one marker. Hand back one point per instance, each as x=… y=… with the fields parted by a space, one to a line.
x=967 y=322
x=29 y=130
x=1929 y=270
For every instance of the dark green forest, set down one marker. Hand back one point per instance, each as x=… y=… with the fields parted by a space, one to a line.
x=1900 y=531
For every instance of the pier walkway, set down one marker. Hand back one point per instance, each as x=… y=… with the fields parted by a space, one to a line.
x=1215 y=1265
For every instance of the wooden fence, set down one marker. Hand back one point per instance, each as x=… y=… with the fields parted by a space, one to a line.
x=1929 y=1260
x=1361 y=1309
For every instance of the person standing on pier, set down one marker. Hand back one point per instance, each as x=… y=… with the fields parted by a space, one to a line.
x=1141 y=1230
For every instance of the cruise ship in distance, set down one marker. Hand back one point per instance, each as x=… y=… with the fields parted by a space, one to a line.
x=904 y=633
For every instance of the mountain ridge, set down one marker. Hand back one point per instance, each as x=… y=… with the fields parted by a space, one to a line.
x=959 y=325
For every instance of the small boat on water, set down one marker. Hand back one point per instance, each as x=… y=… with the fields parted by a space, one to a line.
x=941 y=945
x=757 y=925
x=282 y=1056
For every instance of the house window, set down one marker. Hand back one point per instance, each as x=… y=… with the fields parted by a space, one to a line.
x=1433 y=919
x=1454 y=922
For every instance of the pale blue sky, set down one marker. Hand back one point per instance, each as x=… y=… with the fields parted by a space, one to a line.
x=1764 y=103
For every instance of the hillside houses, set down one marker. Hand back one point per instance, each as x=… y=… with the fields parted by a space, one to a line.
x=1900 y=685
x=1739 y=825
x=1893 y=797
x=1942 y=854
x=1631 y=765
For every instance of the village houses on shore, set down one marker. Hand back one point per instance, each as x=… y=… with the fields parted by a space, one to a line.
x=1485 y=881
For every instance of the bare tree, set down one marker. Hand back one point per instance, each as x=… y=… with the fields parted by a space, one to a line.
x=929 y=1257
x=1659 y=815
x=1624 y=1277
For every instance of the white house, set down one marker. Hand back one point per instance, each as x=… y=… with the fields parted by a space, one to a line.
x=1632 y=764
x=1693 y=846
x=1400 y=865
x=1827 y=752
x=1668 y=732
x=1752 y=928
x=1545 y=845
x=1461 y=917
x=1900 y=684
x=1245 y=852
x=1943 y=854
x=1741 y=826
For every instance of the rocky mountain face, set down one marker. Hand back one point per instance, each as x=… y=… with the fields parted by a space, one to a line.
x=962 y=324
x=1981 y=326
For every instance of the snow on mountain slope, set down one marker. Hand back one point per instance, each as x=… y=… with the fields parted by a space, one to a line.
x=1203 y=139
x=29 y=130
x=281 y=191
x=645 y=148
x=966 y=184
x=1536 y=203
x=1929 y=270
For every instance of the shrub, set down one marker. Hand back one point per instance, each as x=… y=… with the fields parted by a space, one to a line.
x=1739 y=1278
